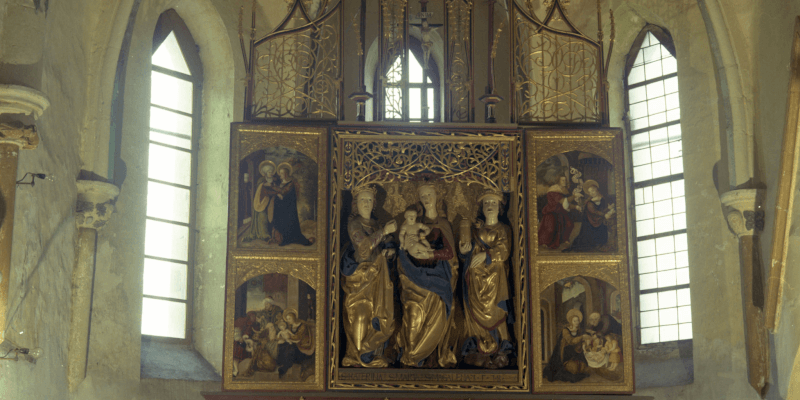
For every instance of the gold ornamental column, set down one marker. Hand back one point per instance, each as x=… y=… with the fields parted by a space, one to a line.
x=15 y=102
x=93 y=209
x=745 y=219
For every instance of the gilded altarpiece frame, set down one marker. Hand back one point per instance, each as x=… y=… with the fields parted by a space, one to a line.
x=577 y=228
x=275 y=280
x=461 y=163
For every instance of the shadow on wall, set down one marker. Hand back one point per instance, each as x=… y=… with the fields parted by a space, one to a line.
x=41 y=5
x=668 y=364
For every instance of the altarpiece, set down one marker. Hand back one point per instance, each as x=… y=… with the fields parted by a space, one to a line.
x=400 y=257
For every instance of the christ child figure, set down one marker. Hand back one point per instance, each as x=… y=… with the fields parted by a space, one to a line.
x=284 y=334
x=413 y=233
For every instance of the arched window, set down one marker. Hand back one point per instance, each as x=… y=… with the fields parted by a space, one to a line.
x=412 y=96
x=176 y=78
x=654 y=125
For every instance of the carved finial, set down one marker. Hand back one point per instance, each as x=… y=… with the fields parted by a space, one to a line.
x=497 y=38
x=357 y=29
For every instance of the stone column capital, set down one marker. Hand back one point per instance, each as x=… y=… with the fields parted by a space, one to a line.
x=15 y=99
x=94 y=206
x=24 y=136
x=743 y=211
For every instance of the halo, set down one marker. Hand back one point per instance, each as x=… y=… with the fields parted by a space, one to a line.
x=264 y=164
x=574 y=313
x=288 y=311
x=587 y=184
x=287 y=165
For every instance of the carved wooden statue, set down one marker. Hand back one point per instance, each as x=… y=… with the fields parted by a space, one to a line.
x=368 y=290
x=485 y=287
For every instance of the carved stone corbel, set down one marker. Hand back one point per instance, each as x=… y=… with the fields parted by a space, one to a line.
x=746 y=219
x=742 y=211
x=93 y=209
x=95 y=204
x=16 y=99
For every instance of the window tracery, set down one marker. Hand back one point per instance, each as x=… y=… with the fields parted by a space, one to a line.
x=662 y=259
x=175 y=80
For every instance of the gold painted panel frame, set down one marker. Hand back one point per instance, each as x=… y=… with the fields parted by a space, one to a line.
x=787 y=183
x=302 y=154
x=598 y=270
x=359 y=156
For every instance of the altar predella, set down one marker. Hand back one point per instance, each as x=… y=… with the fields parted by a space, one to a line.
x=430 y=256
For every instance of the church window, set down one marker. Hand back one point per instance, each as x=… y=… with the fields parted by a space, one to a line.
x=661 y=243
x=175 y=80
x=412 y=96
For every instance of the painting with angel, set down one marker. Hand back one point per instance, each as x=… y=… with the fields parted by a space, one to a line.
x=581 y=338
x=576 y=204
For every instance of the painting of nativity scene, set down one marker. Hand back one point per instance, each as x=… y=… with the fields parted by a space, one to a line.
x=576 y=204
x=581 y=332
x=277 y=201
x=274 y=330
x=418 y=293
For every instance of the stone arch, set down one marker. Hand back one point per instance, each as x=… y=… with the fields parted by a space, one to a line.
x=207 y=28
x=121 y=243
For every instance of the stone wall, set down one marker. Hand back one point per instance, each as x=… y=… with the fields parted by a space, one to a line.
x=716 y=355
x=772 y=37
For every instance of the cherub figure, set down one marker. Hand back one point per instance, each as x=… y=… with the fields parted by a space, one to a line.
x=594 y=351
x=613 y=351
x=413 y=233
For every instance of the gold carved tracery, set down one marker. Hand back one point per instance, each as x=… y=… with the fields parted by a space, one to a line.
x=459 y=86
x=298 y=67
x=404 y=158
x=556 y=72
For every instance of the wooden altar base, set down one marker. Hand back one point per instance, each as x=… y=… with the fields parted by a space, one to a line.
x=402 y=396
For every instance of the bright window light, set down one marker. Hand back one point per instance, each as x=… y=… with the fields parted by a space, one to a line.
x=659 y=198
x=169 y=223
x=169 y=55
x=416 y=85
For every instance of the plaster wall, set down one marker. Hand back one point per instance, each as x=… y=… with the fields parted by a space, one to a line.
x=44 y=226
x=717 y=349
x=115 y=369
x=82 y=41
x=774 y=35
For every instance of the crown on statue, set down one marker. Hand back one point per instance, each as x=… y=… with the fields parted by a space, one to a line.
x=365 y=188
x=491 y=193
